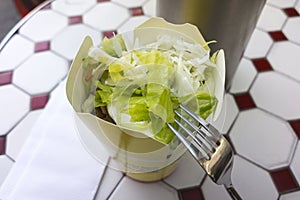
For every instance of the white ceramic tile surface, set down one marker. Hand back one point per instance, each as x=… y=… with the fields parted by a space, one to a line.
x=275 y=93
x=17 y=137
x=9 y=58
x=187 y=174
x=291 y=196
x=130 y=3
x=44 y=25
x=73 y=7
x=243 y=77
x=252 y=182
x=149 y=8
x=212 y=191
x=262 y=136
x=295 y=164
x=10 y=115
x=40 y=73
x=291 y=29
x=106 y=16
x=228 y=114
x=69 y=40
x=6 y=164
x=287 y=64
x=130 y=189
x=256 y=135
x=258 y=45
x=271 y=19
x=297 y=7
x=282 y=4
x=132 y=23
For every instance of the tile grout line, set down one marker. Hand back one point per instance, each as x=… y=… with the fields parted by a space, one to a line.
x=114 y=189
x=101 y=179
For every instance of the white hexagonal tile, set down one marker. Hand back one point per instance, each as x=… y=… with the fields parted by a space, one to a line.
x=99 y=15
x=40 y=73
x=297 y=7
x=130 y=3
x=132 y=23
x=213 y=191
x=243 y=77
x=43 y=25
x=181 y=179
x=295 y=164
x=72 y=7
x=257 y=135
x=14 y=105
x=284 y=57
x=252 y=182
x=6 y=164
x=9 y=59
x=150 y=8
x=130 y=189
x=258 y=45
x=291 y=29
x=282 y=4
x=228 y=114
x=271 y=19
x=276 y=93
x=20 y=133
x=68 y=41
x=290 y=196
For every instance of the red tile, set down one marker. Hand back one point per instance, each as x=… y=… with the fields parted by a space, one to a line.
x=244 y=101
x=39 y=101
x=109 y=34
x=277 y=36
x=42 y=46
x=75 y=20
x=295 y=124
x=284 y=180
x=291 y=12
x=5 y=78
x=136 y=11
x=191 y=194
x=2 y=145
x=262 y=64
x=47 y=7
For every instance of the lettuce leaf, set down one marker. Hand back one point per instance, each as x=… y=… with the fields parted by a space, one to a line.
x=113 y=46
x=103 y=95
x=138 y=109
x=207 y=104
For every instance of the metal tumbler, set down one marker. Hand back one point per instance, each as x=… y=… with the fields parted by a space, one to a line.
x=229 y=22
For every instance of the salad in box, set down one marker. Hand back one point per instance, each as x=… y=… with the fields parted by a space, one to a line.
x=132 y=83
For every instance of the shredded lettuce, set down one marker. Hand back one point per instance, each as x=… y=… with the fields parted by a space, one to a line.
x=103 y=95
x=143 y=87
x=114 y=46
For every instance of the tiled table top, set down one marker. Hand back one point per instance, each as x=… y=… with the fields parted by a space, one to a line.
x=261 y=115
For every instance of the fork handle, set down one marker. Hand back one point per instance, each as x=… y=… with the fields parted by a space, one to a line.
x=233 y=193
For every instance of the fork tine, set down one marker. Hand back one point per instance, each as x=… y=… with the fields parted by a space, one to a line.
x=197 y=153
x=208 y=127
x=202 y=141
x=196 y=139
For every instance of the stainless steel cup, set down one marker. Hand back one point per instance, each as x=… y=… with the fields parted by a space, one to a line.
x=230 y=22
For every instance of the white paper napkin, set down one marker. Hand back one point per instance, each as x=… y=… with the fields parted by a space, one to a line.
x=53 y=164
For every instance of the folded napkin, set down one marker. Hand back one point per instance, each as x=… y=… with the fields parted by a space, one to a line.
x=53 y=164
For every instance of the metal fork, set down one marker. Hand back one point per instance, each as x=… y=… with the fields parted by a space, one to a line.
x=210 y=149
